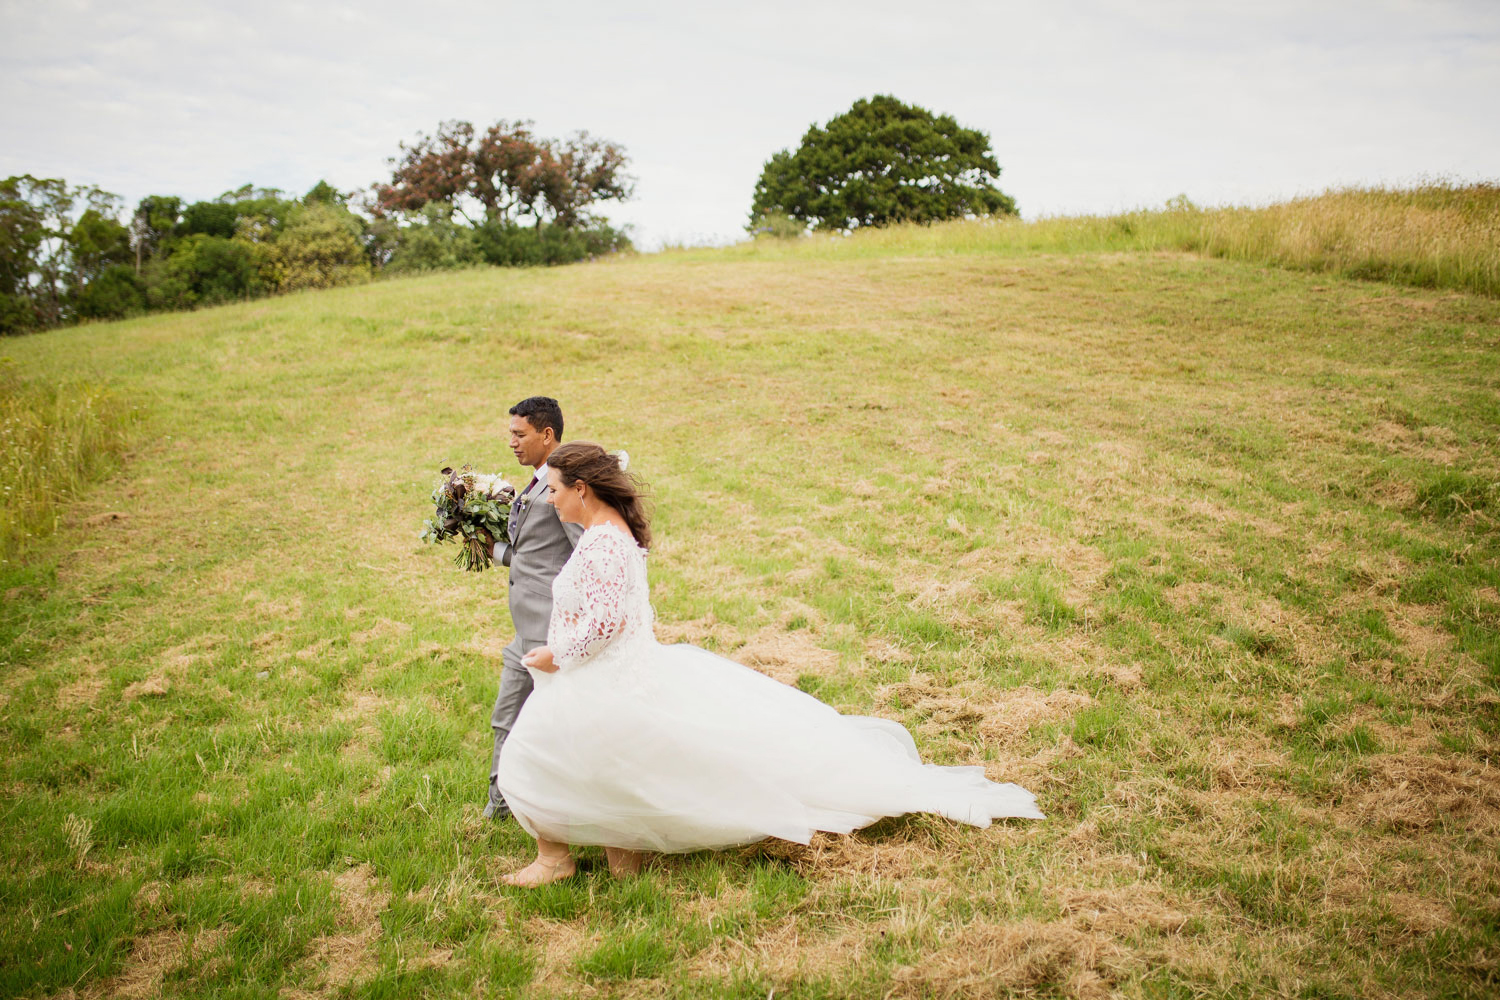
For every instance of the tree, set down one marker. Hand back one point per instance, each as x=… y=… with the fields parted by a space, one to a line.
x=154 y=224
x=38 y=253
x=23 y=229
x=267 y=204
x=116 y=291
x=203 y=270
x=324 y=193
x=97 y=241
x=211 y=218
x=320 y=248
x=102 y=281
x=34 y=220
x=508 y=172
x=880 y=162
x=586 y=171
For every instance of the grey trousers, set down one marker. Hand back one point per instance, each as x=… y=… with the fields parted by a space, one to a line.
x=515 y=686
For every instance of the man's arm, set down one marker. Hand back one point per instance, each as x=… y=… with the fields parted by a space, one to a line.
x=499 y=547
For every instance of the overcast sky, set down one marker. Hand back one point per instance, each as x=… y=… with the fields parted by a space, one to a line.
x=1090 y=106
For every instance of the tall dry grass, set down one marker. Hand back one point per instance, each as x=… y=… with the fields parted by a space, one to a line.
x=1438 y=235
x=55 y=438
x=1434 y=236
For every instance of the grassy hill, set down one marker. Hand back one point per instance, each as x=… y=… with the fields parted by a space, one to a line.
x=1202 y=551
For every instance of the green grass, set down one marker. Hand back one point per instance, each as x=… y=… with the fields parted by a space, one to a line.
x=1202 y=551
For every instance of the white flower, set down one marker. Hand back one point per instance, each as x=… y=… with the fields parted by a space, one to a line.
x=623 y=457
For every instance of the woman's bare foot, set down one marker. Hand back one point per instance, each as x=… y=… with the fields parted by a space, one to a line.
x=542 y=871
x=623 y=862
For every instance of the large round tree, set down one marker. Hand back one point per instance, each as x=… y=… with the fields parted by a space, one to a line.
x=882 y=161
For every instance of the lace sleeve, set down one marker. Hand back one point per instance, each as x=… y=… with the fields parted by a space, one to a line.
x=597 y=613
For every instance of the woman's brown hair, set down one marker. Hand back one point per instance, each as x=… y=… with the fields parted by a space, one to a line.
x=586 y=462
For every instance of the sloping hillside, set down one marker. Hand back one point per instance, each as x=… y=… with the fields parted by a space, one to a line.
x=1203 y=552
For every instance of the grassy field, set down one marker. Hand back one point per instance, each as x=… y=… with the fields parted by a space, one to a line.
x=1437 y=235
x=1203 y=552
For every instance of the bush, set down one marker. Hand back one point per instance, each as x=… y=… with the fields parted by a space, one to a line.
x=321 y=249
x=116 y=292
x=434 y=244
x=203 y=270
x=437 y=243
x=17 y=315
x=508 y=245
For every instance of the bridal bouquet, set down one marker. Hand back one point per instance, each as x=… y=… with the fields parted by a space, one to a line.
x=473 y=508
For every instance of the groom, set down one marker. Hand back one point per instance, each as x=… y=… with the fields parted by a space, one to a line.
x=538 y=544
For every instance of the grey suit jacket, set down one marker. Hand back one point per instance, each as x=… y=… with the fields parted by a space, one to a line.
x=539 y=543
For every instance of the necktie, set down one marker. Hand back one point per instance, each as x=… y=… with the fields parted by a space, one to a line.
x=510 y=529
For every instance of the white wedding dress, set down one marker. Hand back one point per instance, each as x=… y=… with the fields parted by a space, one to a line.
x=634 y=744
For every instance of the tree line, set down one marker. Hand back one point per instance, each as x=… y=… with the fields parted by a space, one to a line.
x=460 y=196
x=456 y=198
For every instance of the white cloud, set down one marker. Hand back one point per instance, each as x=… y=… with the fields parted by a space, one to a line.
x=1090 y=106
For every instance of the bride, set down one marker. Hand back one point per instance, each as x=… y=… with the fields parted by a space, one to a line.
x=637 y=746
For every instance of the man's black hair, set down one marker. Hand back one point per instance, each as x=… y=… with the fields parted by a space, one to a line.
x=541 y=412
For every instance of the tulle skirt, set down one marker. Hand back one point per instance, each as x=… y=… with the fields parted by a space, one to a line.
x=673 y=748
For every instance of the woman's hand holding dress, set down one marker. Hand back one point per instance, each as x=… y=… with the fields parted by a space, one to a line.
x=540 y=659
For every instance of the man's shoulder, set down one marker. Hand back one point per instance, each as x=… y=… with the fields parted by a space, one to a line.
x=544 y=538
x=542 y=517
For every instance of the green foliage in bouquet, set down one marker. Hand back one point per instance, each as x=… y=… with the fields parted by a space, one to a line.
x=473 y=508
